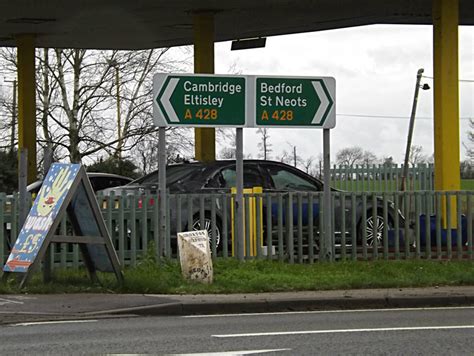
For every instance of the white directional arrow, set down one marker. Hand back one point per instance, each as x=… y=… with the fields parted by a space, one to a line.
x=324 y=98
x=165 y=100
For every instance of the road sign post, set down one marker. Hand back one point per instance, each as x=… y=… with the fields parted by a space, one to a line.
x=250 y=101
x=293 y=102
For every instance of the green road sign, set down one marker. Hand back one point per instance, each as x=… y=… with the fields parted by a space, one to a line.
x=295 y=102
x=199 y=100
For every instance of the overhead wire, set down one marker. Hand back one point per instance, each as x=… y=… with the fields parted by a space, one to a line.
x=395 y=117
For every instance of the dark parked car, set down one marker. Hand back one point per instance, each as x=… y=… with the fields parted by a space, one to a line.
x=273 y=177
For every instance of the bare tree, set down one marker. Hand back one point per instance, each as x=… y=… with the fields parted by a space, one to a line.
x=264 y=145
x=8 y=139
x=350 y=156
x=469 y=146
x=132 y=92
x=8 y=126
x=285 y=157
x=76 y=93
x=369 y=158
x=290 y=156
x=416 y=155
x=308 y=165
x=179 y=147
x=228 y=137
x=47 y=90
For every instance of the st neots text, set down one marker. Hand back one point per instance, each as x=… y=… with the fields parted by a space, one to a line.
x=280 y=100
x=194 y=97
x=275 y=95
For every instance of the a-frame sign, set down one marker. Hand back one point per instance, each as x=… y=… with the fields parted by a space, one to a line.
x=65 y=190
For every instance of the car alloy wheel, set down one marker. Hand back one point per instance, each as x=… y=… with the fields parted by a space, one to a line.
x=208 y=227
x=374 y=230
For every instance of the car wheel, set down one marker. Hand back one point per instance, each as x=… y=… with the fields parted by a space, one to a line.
x=208 y=226
x=373 y=229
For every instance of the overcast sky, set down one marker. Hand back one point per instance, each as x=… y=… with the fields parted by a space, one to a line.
x=375 y=69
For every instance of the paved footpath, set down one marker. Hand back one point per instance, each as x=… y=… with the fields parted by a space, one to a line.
x=42 y=307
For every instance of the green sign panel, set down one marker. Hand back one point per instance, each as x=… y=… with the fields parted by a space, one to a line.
x=199 y=100
x=295 y=102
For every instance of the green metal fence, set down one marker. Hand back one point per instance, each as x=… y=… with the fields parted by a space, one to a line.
x=279 y=226
x=382 y=178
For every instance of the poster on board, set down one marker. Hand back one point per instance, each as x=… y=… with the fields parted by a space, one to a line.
x=40 y=219
x=65 y=190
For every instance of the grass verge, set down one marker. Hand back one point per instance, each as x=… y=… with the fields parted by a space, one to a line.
x=231 y=276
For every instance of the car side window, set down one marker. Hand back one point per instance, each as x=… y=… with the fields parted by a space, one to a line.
x=98 y=183
x=283 y=179
x=252 y=177
x=227 y=178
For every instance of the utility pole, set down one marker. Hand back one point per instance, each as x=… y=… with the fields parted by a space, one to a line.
x=12 y=137
x=115 y=65
x=119 y=118
x=294 y=156
x=411 y=126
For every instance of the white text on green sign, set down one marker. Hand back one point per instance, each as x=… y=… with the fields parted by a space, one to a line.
x=199 y=100
x=295 y=102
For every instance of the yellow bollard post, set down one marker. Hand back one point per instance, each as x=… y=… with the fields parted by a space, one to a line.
x=27 y=101
x=446 y=101
x=204 y=138
x=257 y=235
x=248 y=192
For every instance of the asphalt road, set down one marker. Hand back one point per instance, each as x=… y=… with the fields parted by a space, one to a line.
x=431 y=331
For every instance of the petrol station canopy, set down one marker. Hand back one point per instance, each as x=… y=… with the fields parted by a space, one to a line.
x=140 y=24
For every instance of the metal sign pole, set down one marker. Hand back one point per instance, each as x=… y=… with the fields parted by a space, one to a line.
x=162 y=185
x=48 y=257
x=328 y=235
x=22 y=183
x=239 y=198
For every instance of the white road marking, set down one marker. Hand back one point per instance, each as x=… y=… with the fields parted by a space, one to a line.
x=328 y=312
x=55 y=322
x=4 y=301
x=341 y=331
x=242 y=352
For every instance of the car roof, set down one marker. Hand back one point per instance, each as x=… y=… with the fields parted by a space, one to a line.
x=107 y=175
x=217 y=164
x=224 y=162
x=213 y=165
x=38 y=183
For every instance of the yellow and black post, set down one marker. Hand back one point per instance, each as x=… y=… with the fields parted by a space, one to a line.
x=205 y=138
x=446 y=100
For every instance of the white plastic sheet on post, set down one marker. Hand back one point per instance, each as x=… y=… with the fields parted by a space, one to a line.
x=195 y=256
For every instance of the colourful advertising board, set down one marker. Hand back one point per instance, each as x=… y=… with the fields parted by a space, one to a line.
x=38 y=224
x=65 y=192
